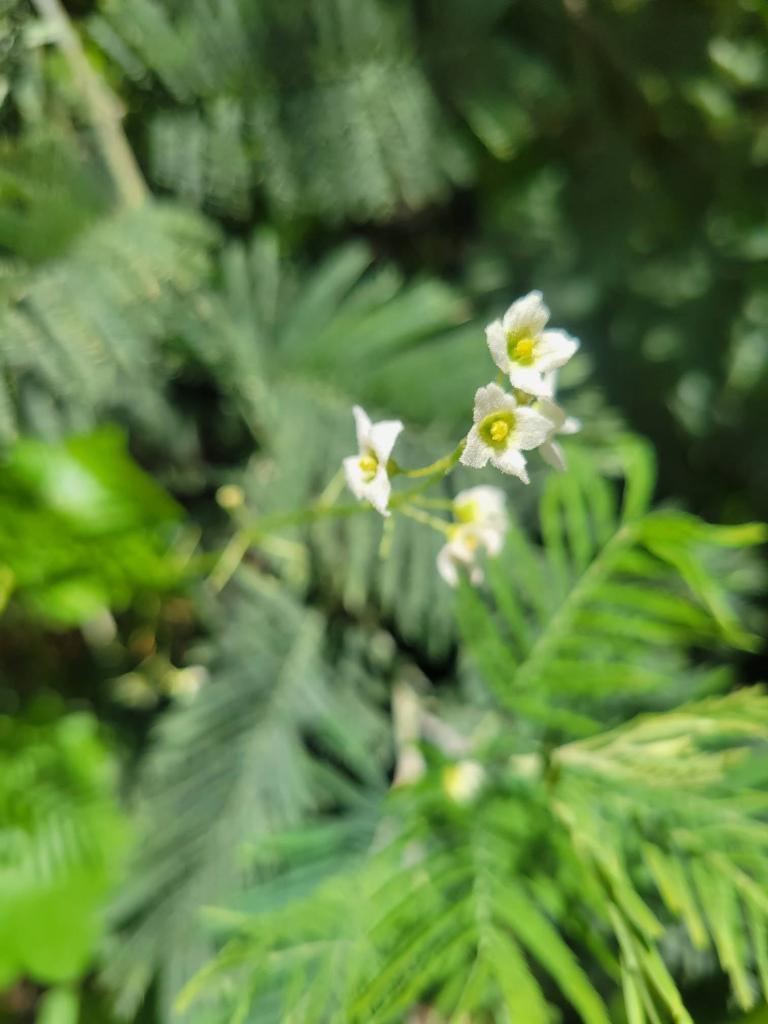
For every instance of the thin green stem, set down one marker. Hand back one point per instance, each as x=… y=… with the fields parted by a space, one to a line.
x=440 y=467
x=231 y=557
x=446 y=504
x=428 y=520
x=242 y=540
x=333 y=488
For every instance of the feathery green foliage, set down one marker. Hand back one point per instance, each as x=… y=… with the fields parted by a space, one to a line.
x=79 y=335
x=617 y=608
x=326 y=106
x=579 y=856
x=289 y=727
x=354 y=183
x=61 y=843
x=571 y=868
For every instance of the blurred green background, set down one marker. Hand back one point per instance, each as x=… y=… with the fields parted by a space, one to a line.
x=221 y=223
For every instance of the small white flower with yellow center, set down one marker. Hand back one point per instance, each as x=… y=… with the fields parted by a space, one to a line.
x=482 y=506
x=463 y=781
x=523 y=350
x=366 y=473
x=503 y=429
x=481 y=525
x=460 y=552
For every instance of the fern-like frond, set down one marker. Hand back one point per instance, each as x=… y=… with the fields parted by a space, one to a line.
x=358 y=328
x=590 y=852
x=670 y=812
x=587 y=857
x=612 y=608
x=281 y=732
x=79 y=335
x=433 y=917
x=50 y=194
x=348 y=126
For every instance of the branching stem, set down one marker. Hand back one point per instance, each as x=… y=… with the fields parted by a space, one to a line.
x=406 y=502
x=426 y=518
x=440 y=467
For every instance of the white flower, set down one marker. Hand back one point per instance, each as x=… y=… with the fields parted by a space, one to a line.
x=481 y=525
x=502 y=431
x=460 y=552
x=483 y=506
x=521 y=347
x=366 y=473
x=463 y=781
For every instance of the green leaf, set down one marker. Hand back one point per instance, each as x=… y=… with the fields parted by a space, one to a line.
x=62 y=844
x=544 y=942
x=59 y=1006
x=83 y=528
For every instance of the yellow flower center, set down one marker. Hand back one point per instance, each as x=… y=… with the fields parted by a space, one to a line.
x=522 y=351
x=497 y=428
x=369 y=464
x=471 y=542
x=466 y=511
x=499 y=431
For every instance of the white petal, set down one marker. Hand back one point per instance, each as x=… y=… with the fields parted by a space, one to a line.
x=382 y=438
x=493 y=539
x=511 y=461
x=464 y=543
x=483 y=507
x=553 y=454
x=496 y=337
x=553 y=350
x=552 y=411
x=489 y=503
x=526 y=316
x=362 y=426
x=531 y=429
x=476 y=575
x=550 y=380
x=508 y=403
x=571 y=426
x=356 y=478
x=378 y=490
x=530 y=380
x=476 y=452
x=446 y=566
x=489 y=399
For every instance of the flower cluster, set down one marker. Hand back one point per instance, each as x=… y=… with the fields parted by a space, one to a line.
x=505 y=425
